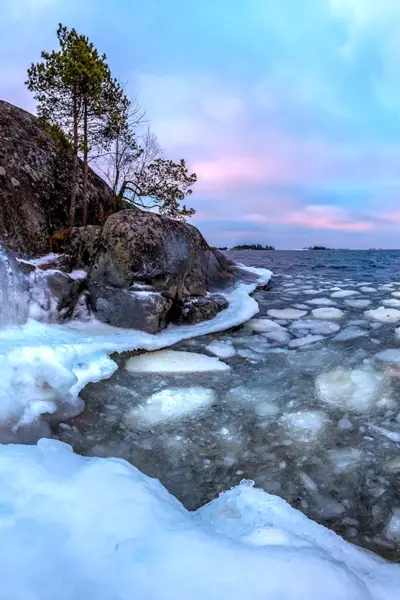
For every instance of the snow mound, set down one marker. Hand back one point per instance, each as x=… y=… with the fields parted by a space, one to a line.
x=384 y=315
x=327 y=314
x=75 y=527
x=221 y=349
x=355 y=390
x=286 y=313
x=344 y=293
x=170 y=404
x=304 y=425
x=174 y=361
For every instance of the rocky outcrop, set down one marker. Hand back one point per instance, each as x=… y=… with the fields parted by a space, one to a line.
x=145 y=270
x=35 y=184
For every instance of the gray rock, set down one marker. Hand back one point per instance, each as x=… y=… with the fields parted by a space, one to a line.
x=145 y=311
x=34 y=197
x=195 y=310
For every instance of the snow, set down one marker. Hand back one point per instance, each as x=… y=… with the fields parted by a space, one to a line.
x=305 y=341
x=56 y=362
x=286 y=313
x=78 y=274
x=356 y=390
x=384 y=315
x=221 y=349
x=327 y=314
x=174 y=361
x=170 y=404
x=304 y=425
x=344 y=294
x=42 y=260
x=75 y=527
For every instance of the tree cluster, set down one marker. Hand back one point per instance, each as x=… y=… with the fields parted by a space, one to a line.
x=252 y=247
x=78 y=97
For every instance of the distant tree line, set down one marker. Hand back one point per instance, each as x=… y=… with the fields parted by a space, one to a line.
x=90 y=110
x=316 y=248
x=252 y=247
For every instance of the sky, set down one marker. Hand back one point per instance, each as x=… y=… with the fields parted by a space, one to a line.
x=287 y=110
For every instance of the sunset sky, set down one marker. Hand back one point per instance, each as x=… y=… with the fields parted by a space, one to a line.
x=287 y=110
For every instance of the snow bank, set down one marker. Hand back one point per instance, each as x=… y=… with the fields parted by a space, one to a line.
x=75 y=528
x=43 y=367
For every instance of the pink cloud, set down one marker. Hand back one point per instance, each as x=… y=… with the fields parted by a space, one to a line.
x=314 y=217
x=326 y=217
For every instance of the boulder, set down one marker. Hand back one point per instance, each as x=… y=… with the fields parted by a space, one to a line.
x=35 y=184
x=145 y=311
x=196 y=309
x=149 y=249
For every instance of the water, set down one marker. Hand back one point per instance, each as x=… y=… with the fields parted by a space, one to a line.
x=318 y=425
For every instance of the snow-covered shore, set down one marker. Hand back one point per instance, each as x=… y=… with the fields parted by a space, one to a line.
x=44 y=367
x=74 y=527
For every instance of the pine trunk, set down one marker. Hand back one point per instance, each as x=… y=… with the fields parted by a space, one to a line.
x=72 y=208
x=85 y=165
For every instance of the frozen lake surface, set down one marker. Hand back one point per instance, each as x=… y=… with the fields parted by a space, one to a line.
x=304 y=399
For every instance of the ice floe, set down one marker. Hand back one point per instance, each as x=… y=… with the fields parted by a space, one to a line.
x=262 y=325
x=222 y=349
x=327 y=314
x=384 y=315
x=344 y=293
x=361 y=303
x=304 y=425
x=305 y=341
x=174 y=361
x=357 y=390
x=321 y=302
x=170 y=404
x=286 y=313
x=315 y=326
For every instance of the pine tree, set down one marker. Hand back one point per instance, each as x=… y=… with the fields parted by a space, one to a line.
x=75 y=90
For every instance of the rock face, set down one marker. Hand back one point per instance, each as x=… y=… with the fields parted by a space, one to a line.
x=35 y=184
x=145 y=270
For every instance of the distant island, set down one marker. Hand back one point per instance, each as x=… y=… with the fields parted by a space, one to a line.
x=317 y=248
x=252 y=247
